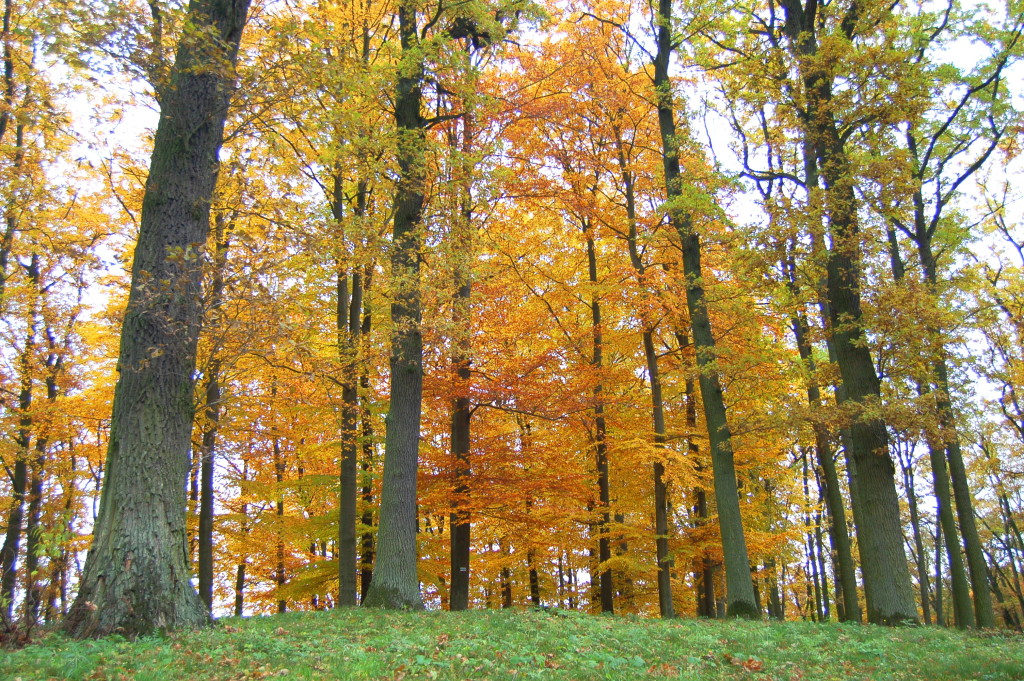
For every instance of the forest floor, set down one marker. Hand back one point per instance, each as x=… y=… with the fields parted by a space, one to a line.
x=523 y=644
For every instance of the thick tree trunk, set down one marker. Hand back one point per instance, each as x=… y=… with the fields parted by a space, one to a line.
x=395 y=583
x=739 y=586
x=136 y=579
x=883 y=560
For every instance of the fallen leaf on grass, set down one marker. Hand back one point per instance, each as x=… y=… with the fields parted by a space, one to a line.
x=753 y=665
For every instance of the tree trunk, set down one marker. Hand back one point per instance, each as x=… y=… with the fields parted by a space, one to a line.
x=395 y=583
x=19 y=482
x=826 y=459
x=919 y=552
x=136 y=580
x=739 y=586
x=366 y=548
x=212 y=426
x=240 y=590
x=977 y=567
x=606 y=588
x=661 y=529
x=939 y=615
x=883 y=560
x=462 y=412
x=348 y=325
x=33 y=591
x=279 y=569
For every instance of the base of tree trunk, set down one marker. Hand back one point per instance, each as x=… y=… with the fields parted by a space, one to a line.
x=391 y=598
x=743 y=610
x=135 y=603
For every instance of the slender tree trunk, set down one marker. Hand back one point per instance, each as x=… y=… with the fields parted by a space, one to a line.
x=826 y=607
x=531 y=561
x=919 y=552
x=395 y=583
x=983 y=611
x=240 y=590
x=826 y=459
x=348 y=325
x=739 y=586
x=814 y=590
x=706 y=570
x=212 y=426
x=33 y=590
x=366 y=549
x=462 y=412
x=280 y=577
x=962 y=609
x=939 y=615
x=11 y=548
x=661 y=529
x=605 y=585
x=136 y=579
x=940 y=482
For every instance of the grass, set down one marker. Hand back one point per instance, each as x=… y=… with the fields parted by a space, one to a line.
x=522 y=644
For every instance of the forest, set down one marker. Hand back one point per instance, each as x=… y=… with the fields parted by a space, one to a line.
x=655 y=307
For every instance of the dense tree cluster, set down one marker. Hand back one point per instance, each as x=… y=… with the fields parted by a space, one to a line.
x=673 y=308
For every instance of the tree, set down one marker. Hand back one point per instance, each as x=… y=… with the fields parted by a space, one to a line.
x=135 y=579
x=739 y=587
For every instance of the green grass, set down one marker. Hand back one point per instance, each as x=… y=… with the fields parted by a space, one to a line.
x=523 y=644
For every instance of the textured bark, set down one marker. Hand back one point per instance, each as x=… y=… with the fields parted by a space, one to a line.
x=739 y=585
x=395 y=583
x=883 y=560
x=136 y=579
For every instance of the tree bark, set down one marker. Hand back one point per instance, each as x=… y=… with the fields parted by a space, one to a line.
x=606 y=588
x=136 y=580
x=883 y=560
x=739 y=585
x=462 y=411
x=211 y=428
x=826 y=459
x=395 y=583
x=348 y=320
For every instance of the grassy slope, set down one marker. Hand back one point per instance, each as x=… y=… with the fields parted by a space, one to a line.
x=362 y=644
